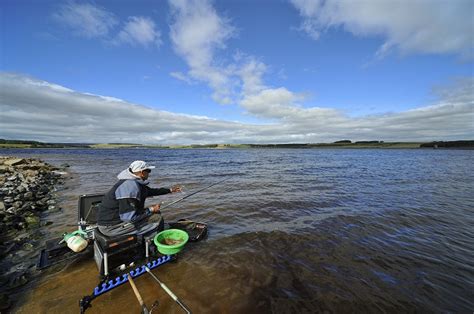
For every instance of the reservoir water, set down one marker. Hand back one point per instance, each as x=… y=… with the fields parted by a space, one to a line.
x=291 y=231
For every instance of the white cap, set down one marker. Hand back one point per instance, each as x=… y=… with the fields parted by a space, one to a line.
x=139 y=165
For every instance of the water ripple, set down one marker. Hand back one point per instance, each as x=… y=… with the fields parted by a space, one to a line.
x=305 y=231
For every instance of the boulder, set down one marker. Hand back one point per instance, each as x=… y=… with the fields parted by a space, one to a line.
x=31 y=174
x=32 y=221
x=28 y=196
x=14 y=161
x=17 y=204
x=8 y=200
x=12 y=178
x=28 y=246
x=12 y=210
x=18 y=280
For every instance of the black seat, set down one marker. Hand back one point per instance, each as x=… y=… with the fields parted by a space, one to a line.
x=117 y=242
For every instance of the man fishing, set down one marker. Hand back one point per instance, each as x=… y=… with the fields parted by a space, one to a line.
x=122 y=211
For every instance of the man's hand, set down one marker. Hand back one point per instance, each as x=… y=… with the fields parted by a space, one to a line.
x=175 y=189
x=155 y=208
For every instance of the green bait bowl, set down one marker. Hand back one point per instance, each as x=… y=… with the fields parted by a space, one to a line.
x=170 y=241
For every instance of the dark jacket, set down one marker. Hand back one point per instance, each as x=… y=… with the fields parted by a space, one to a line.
x=125 y=201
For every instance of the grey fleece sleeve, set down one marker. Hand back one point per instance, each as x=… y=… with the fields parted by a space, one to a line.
x=128 y=210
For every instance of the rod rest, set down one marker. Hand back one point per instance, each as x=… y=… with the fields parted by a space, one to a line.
x=106 y=286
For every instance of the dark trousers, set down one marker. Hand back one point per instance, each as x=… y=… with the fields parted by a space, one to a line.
x=127 y=228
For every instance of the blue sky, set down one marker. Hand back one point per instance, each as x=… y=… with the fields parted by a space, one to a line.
x=180 y=72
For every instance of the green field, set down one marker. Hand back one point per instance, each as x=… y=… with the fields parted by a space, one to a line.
x=6 y=144
x=15 y=145
x=113 y=146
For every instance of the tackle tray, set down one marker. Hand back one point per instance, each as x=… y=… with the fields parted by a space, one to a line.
x=195 y=230
x=56 y=252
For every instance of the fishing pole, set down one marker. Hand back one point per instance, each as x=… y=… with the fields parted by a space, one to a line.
x=170 y=293
x=137 y=294
x=183 y=198
x=174 y=202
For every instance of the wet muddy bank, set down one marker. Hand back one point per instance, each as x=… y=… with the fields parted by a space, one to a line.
x=28 y=190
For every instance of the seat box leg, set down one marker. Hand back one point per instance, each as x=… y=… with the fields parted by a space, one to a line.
x=99 y=255
x=106 y=264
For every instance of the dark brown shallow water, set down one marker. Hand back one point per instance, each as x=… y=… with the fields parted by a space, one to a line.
x=292 y=231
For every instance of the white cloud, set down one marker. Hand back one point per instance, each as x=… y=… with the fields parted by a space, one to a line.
x=197 y=32
x=272 y=103
x=261 y=100
x=139 y=31
x=39 y=110
x=182 y=77
x=250 y=72
x=91 y=21
x=421 y=26
x=85 y=19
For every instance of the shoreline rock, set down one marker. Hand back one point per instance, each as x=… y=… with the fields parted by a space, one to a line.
x=27 y=189
x=26 y=186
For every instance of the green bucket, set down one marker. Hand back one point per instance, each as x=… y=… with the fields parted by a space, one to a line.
x=171 y=241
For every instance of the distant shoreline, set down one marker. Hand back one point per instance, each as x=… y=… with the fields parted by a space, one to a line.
x=465 y=144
